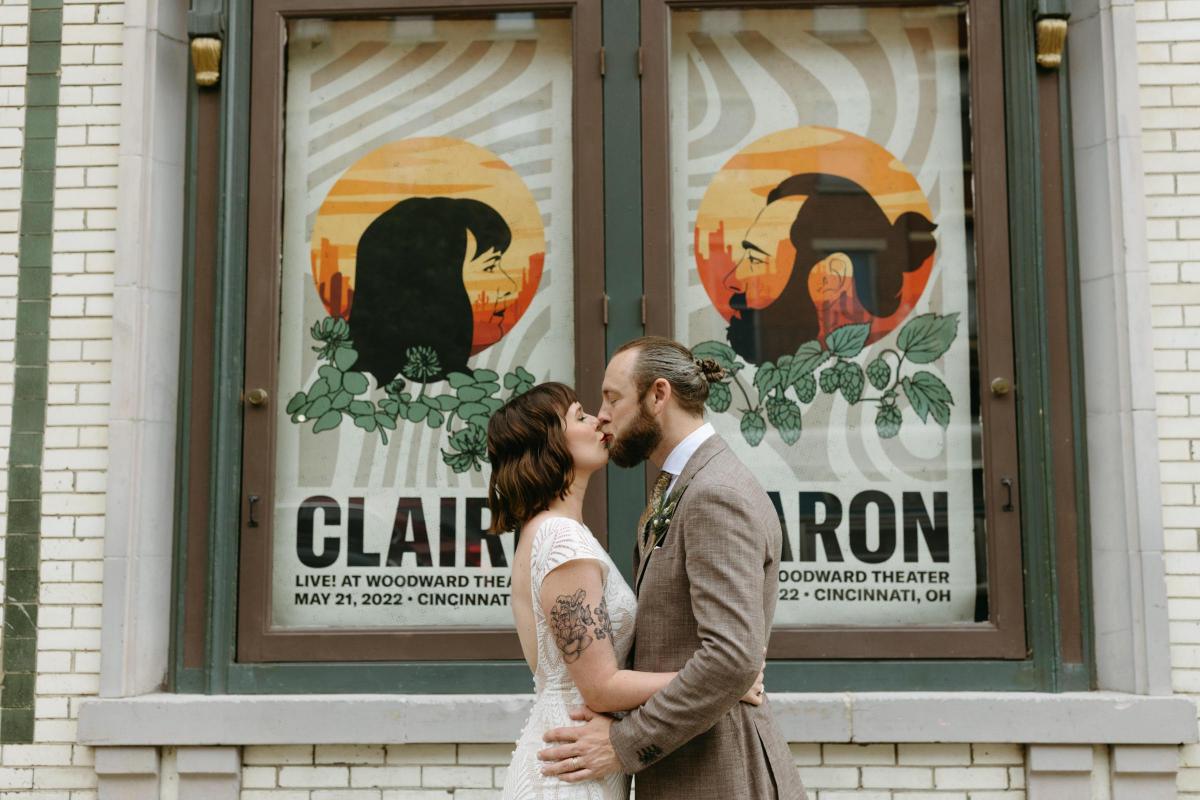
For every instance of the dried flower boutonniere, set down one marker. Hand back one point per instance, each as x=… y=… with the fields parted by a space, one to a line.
x=660 y=519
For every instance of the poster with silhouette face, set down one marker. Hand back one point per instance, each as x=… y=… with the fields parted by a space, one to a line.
x=426 y=278
x=821 y=220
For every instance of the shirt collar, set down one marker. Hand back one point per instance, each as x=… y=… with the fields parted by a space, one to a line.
x=684 y=450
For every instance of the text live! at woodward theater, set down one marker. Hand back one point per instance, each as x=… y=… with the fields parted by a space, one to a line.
x=827 y=266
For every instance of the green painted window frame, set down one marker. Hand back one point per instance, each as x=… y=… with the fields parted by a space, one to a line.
x=1043 y=670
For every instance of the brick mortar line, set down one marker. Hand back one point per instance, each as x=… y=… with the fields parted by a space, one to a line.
x=30 y=391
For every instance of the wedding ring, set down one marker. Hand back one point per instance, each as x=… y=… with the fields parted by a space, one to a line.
x=575 y=762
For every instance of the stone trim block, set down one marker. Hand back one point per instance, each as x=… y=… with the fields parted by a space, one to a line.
x=860 y=718
x=209 y=773
x=1059 y=772
x=1144 y=773
x=128 y=773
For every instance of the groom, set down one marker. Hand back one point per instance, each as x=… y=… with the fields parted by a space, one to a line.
x=706 y=576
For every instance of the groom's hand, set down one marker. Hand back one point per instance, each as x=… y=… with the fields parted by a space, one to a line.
x=583 y=753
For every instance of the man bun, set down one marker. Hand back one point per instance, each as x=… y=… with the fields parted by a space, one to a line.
x=712 y=370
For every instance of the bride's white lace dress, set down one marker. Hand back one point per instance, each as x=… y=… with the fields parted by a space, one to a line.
x=557 y=541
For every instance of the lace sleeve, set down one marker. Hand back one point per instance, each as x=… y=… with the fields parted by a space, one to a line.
x=559 y=541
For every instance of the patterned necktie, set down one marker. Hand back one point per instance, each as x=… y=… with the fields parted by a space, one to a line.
x=656 y=495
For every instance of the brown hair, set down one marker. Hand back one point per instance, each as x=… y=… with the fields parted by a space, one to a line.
x=659 y=357
x=527 y=445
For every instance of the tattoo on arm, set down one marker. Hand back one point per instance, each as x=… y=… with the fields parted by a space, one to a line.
x=575 y=624
x=603 y=621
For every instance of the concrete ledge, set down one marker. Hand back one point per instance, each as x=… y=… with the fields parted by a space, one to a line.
x=1012 y=717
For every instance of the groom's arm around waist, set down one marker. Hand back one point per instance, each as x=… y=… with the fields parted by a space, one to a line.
x=725 y=547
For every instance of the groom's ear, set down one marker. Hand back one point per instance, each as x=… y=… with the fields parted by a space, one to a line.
x=661 y=393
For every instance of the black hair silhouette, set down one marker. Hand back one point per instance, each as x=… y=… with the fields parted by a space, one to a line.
x=408 y=283
x=838 y=216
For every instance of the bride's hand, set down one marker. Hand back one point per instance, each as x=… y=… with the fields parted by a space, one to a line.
x=755 y=696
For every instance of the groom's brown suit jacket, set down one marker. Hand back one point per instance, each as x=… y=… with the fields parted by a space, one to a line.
x=706 y=597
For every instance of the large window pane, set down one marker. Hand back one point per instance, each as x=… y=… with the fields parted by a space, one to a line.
x=823 y=249
x=426 y=276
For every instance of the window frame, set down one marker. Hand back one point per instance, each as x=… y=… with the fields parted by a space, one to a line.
x=1003 y=636
x=204 y=658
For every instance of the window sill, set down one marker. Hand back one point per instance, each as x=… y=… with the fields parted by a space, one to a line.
x=861 y=717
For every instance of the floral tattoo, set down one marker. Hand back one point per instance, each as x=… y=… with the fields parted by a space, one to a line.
x=572 y=619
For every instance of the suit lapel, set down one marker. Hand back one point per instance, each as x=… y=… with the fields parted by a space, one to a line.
x=704 y=454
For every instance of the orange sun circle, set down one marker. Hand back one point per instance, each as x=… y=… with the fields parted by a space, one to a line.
x=740 y=239
x=500 y=289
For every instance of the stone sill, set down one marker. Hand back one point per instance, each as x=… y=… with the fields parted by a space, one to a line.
x=861 y=717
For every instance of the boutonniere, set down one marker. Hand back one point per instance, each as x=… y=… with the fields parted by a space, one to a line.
x=660 y=519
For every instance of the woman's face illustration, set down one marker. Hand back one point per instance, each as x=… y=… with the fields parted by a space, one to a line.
x=488 y=284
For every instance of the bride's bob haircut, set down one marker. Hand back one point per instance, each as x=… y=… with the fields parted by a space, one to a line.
x=527 y=446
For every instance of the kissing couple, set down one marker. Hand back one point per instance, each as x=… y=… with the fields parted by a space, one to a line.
x=690 y=719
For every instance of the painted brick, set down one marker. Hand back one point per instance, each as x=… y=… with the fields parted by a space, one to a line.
x=314 y=776
x=456 y=777
x=385 y=777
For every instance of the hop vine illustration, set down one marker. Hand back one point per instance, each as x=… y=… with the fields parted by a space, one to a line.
x=339 y=392
x=782 y=389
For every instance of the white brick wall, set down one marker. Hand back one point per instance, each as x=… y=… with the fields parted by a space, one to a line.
x=476 y=772
x=75 y=454
x=1169 y=54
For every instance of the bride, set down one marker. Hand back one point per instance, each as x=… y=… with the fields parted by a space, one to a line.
x=574 y=612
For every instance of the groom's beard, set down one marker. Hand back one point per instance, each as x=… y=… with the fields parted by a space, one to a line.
x=635 y=445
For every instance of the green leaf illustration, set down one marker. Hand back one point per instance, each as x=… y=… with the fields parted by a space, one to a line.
x=332 y=376
x=831 y=379
x=879 y=373
x=447 y=402
x=320 y=388
x=767 y=378
x=298 y=401
x=460 y=379
x=417 y=412
x=887 y=422
x=342 y=399
x=848 y=340
x=328 y=421
x=435 y=418
x=721 y=353
x=360 y=407
x=806 y=388
x=785 y=416
x=367 y=422
x=355 y=382
x=719 y=397
x=754 y=427
x=468 y=410
x=926 y=338
x=471 y=394
x=809 y=356
x=318 y=407
x=519 y=381
x=850 y=381
x=929 y=395
x=485 y=376
x=344 y=358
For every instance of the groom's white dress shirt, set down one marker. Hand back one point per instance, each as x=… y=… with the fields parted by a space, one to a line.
x=683 y=452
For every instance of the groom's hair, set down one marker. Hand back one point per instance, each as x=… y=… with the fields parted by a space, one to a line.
x=659 y=357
